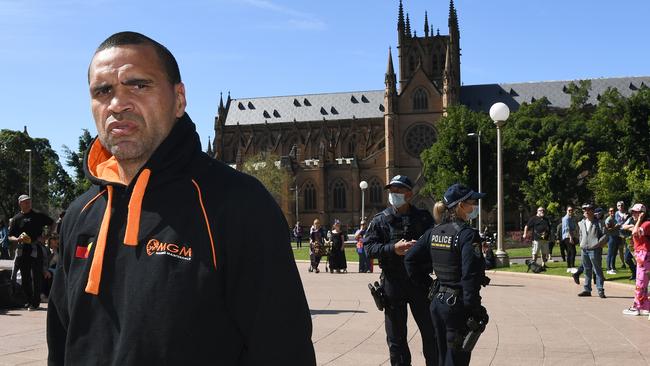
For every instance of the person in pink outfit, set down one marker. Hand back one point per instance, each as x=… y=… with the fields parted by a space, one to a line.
x=641 y=241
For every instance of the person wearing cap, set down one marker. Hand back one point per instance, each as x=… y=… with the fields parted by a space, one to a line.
x=26 y=232
x=389 y=237
x=453 y=251
x=541 y=231
x=364 y=265
x=641 y=242
x=591 y=241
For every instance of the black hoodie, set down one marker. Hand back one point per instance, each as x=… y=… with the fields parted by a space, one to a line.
x=190 y=264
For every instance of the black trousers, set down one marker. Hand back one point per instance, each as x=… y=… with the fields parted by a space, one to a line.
x=450 y=324
x=570 y=253
x=400 y=291
x=31 y=277
x=563 y=250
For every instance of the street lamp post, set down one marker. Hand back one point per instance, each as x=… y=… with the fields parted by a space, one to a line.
x=363 y=185
x=29 y=187
x=297 y=216
x=499 y=112
x=480 y=206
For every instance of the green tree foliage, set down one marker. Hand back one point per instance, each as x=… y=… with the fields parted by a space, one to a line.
x=264 y=168
x=557 y=177
x=609 y=184
x=552 y=157
x=52 y=188
x=453 y=158
x=75 y=160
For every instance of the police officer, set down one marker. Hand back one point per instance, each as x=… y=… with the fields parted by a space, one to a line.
x=389 y=236
x=452 y=249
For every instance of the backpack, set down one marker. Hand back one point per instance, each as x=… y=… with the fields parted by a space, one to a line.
x=533 y=266
x=11 y=294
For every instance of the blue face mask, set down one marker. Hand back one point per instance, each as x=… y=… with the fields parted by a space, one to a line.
x=474 y=214
x=397 y=200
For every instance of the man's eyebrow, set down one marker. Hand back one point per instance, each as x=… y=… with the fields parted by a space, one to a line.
x=136 y=81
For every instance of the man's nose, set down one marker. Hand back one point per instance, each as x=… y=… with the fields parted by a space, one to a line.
x=121 y=101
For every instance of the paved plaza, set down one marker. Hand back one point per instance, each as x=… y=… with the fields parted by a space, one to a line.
x=534 y=320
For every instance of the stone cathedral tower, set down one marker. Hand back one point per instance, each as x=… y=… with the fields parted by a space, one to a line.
x=429 y=82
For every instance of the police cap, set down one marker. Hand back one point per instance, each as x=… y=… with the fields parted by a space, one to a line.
x=458 y=193
x=400 y=181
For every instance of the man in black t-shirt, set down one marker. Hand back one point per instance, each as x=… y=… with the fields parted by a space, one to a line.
x=541 y=230
x=26 y=231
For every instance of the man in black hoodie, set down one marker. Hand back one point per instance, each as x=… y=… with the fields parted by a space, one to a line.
x=159 y=264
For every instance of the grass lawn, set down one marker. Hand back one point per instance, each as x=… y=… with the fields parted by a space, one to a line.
x=553 y=268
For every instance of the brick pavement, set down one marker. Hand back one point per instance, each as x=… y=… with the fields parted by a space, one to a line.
x=534 y=320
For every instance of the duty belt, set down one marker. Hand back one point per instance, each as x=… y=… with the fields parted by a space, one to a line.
x=448 y=295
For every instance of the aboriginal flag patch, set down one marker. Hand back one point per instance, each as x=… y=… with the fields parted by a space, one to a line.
x=83 y=251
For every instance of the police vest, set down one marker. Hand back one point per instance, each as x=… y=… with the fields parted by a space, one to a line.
x=445 y=253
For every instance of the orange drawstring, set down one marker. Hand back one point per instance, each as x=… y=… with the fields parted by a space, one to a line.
x=95 y=275
x=135 y=209
x=132 y=229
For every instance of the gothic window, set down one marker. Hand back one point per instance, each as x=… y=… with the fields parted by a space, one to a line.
x=339 y=195
x=309 y=196
x=420 y=100
x=419 y=137
x=376 y=190
x=352 y=147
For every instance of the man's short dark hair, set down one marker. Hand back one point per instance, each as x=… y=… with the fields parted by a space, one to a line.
x=133 y=38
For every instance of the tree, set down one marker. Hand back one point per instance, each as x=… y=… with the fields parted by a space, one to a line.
x=273 y=177
x=609 y=184
x=557 y=178
x=51 y=185
x=75 y=160
x=453 y=157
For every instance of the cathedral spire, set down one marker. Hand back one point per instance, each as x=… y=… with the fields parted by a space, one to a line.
x=400 y=18
x=426 y=25
x=209 y=151
x=408 y=25
x=453 y=17
x=390 y=70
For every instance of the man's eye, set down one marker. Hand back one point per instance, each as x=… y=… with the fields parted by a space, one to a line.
x=141 y=86
x=102 y=91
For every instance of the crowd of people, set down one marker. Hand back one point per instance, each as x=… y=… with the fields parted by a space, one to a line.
x=622 y=231
x=31 y=241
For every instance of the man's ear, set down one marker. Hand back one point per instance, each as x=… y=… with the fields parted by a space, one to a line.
x=180 y=101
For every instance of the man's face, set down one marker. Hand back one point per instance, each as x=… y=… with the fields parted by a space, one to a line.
x=589 y=213
x=540 y=212
x=25 y=206
x=133 y=103
x=569 y=211
x=403 y=190
x=611 y=212
x=621 y=207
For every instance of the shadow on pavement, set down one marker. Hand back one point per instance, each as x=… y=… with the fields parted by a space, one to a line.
x=333 y=311
x=500 y=285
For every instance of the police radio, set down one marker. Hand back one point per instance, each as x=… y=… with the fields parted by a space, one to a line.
x=406 y=222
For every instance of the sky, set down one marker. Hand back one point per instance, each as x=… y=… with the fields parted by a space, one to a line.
x=259 y=48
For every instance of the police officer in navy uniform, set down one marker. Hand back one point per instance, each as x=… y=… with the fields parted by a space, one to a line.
x=452 y=249
x=390 y=235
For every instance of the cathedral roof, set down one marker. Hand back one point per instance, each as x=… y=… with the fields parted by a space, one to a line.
x=481 y=97
x=307 y=107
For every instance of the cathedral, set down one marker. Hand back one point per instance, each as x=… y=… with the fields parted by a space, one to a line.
x=329 y=143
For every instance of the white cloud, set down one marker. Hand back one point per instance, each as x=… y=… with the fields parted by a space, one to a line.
x=300 y=20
